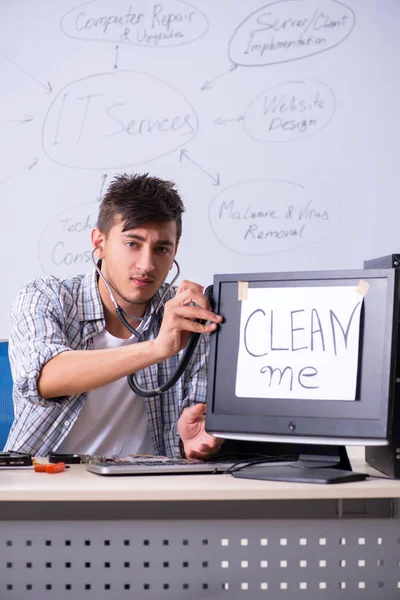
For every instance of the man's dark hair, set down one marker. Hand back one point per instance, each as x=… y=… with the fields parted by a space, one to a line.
x=140 y=199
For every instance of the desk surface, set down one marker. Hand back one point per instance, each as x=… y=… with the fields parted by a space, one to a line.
x=76 y=484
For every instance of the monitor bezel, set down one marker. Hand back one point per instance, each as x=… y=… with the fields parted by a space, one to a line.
x=370 y=431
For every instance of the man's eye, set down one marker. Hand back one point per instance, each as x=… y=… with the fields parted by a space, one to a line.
x=131 y=244
x=163 y=250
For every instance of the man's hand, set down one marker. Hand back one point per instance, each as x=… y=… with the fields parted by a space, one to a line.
x=179 y=319
x=197 y=442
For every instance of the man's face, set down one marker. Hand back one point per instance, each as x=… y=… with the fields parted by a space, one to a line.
x=136 y=262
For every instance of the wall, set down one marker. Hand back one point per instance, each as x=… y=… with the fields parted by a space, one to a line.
x=278 y=122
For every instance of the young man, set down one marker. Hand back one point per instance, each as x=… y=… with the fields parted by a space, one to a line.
x=70 y=353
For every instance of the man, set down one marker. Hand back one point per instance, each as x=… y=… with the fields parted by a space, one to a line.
x=70 y=353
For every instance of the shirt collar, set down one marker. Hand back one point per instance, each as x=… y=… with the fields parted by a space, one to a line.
x=90 y=306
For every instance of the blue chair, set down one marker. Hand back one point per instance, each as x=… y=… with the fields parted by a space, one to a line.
x=6 y=403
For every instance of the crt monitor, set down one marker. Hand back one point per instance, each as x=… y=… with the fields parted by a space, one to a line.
x=303 y=364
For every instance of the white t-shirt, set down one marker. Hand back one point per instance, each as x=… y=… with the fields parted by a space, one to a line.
x=113 y=420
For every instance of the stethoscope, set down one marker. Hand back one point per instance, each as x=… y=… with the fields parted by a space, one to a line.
x=142 y=337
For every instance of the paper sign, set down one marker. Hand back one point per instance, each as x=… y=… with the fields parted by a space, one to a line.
x=299 y=342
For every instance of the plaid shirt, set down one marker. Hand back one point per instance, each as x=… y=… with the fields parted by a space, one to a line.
x=53 y=315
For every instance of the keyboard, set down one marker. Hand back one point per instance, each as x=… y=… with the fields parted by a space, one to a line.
x=158 y=465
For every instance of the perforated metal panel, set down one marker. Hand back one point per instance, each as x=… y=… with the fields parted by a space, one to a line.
x=191 y=559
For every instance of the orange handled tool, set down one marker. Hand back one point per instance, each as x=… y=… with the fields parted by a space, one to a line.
x=50 y=468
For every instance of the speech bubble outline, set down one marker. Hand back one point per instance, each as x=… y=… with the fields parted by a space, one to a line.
x=47 y=239
x=118 y=73
x=300 y=136
x=120 y=40
x=274 y=62
x=271 y=252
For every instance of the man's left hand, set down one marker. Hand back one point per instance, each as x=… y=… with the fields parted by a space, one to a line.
x=197 y=442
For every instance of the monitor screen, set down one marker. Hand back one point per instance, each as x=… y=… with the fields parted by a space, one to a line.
x=304 y=358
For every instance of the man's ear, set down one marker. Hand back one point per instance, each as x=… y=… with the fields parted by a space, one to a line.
x=98 y=238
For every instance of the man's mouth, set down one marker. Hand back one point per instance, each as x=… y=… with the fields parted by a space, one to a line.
x=142 y=281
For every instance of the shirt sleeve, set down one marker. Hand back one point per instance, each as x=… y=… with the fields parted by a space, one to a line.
x=196 y=381
x=37 y=326
x=195 y=384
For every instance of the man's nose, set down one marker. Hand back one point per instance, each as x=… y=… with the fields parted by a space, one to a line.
x=145 y=261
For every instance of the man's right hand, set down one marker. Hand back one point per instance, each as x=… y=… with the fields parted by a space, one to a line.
x=179 y=319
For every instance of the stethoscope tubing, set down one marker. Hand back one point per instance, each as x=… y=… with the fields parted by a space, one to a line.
x=122 y=314
x=142 y=337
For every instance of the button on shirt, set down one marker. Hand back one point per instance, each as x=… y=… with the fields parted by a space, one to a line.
x=53 y=315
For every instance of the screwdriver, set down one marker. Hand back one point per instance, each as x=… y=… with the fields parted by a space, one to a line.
x=50 y=468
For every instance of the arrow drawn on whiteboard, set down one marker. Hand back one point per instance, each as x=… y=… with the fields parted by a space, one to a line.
x=33 y=163
x=27 y=168
x=25 y=119
x=208 y=85
x=185 y=153
x=222 y=121
x=116 y=57
x=46 y=86
x=103 y=181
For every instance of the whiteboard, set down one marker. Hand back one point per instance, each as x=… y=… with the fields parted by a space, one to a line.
x=278 y=121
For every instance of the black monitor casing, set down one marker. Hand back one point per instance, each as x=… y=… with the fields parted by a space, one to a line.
x=369 y=417
x=387 y=458
x=383 y=262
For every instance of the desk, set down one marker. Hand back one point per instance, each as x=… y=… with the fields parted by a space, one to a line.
x=79 y=535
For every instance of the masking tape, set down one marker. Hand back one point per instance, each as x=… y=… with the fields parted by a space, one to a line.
x=363 y=287
x=243 y=288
